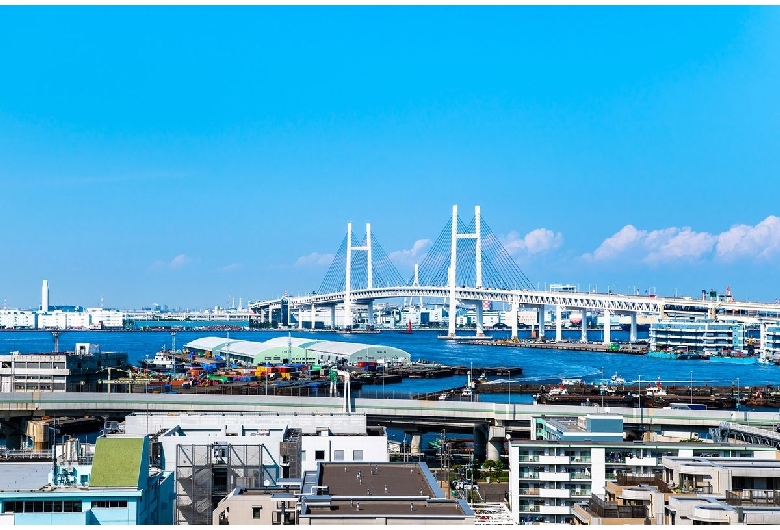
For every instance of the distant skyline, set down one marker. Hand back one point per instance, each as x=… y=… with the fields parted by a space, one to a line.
x=190 y=155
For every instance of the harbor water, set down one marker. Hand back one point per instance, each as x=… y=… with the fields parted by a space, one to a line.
x=541 y=366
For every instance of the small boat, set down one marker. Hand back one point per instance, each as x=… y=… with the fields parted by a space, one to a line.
x=616 y=380
x=655 y=389
x=164 y=361
x=571 y=381
x=559 y=390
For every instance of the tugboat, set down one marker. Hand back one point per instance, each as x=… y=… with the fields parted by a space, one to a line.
x=163 y=361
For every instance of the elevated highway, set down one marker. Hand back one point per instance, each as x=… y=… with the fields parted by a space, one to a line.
x=434 y=413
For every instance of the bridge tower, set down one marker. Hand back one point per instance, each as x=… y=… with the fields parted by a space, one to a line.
x=348 y=285
x=477 y=236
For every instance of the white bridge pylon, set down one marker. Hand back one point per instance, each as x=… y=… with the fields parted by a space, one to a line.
x=348 y=285
x=453 y=270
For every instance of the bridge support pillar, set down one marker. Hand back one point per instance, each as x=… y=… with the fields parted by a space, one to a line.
x=495 y=444
x=480 y=442
x=333 y=317
x=540 y=317
x=300 y=318
x=632 y=333
x=514 y=318
x=558 y=323
x=414 y=448
x=480 y=320
x=370 y=310
x=584 y=337
x=313 y=316
x=607 y=326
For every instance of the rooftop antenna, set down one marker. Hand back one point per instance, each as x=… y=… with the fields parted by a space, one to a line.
x=101 y=301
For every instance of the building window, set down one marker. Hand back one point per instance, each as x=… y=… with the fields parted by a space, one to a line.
x=256 y=512
x=338 y=454
x=109 y=504
x=357 y=455
x=319 y=455
x=41 y=506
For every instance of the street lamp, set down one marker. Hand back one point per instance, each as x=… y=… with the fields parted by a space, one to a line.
x=509 y=386
x=639 y=384
x=601 y=387
x=691 y=386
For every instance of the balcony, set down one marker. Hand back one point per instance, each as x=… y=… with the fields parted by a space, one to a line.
x=529 y=491
x=753 y=498
x=554 y=493
x=552 y=460
x=529 y=458
x=555 y=510
x=642 y=480
x=611 y=510
x=552 y=476
x=643 y=461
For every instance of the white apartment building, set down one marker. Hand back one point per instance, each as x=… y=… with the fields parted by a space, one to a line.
x=572 y=460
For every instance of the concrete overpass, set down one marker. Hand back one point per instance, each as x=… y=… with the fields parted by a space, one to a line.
x=489 y=422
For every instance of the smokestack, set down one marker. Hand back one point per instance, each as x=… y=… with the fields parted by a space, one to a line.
x=45 y=296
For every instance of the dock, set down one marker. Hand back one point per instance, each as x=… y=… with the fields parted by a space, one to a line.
x=615 y=347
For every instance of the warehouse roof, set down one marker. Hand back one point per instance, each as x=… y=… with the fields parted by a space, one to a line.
x=208 y=343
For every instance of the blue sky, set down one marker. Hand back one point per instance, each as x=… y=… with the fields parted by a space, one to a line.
x=185 y=155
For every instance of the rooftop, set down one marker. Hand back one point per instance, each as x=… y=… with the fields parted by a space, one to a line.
x=117 y=462
x=357 y=480
x=24 y=476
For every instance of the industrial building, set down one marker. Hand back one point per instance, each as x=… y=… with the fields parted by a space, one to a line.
x=296 y=350
x=80 y=370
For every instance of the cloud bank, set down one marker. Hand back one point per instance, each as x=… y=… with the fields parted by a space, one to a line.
x=685 y=244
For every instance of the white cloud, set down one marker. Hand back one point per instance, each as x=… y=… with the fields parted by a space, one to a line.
x=229 y=268
x=626 y=238
x=409 y=257
x=678 y=244
x=315 y=258
x=762 y=240
x=179 y=261
x=534 y=242
x=656 y=246
x=176 y=263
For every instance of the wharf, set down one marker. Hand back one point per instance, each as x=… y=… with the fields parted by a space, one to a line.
x=615 y=347
x=631 y=349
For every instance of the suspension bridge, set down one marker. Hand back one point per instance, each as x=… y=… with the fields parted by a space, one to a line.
x=467 y=265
